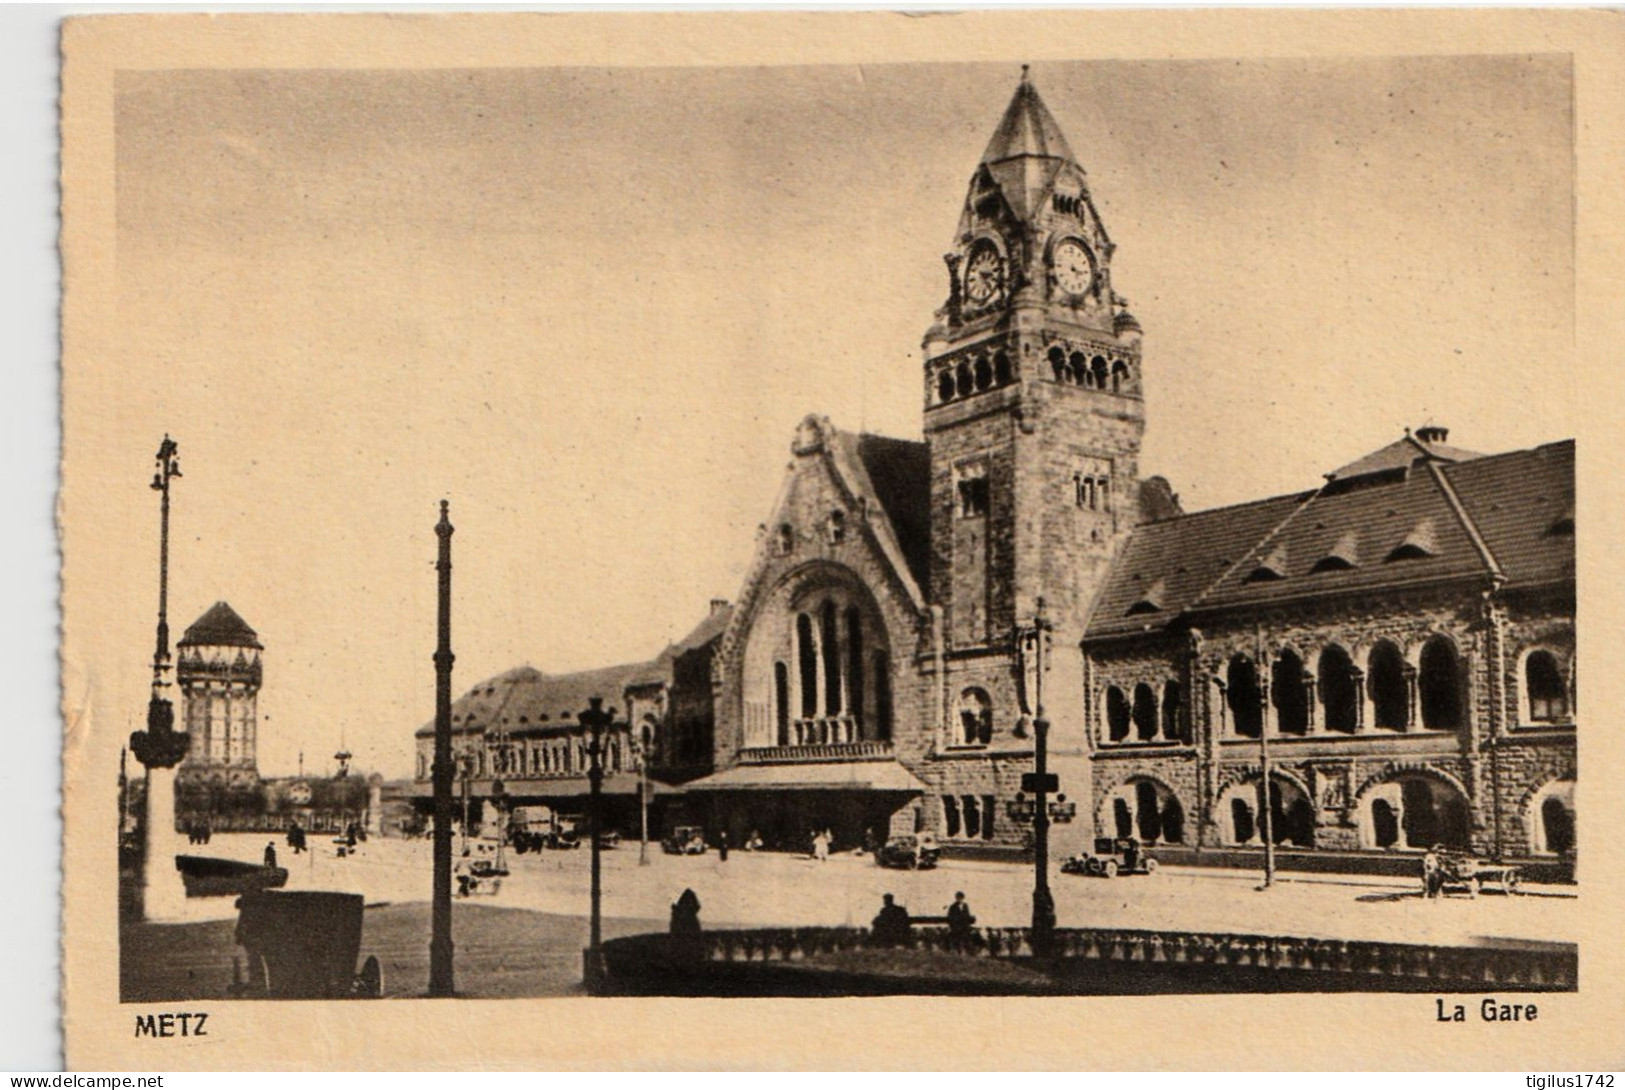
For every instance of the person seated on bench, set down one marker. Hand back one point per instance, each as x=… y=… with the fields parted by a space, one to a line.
x=891 y=926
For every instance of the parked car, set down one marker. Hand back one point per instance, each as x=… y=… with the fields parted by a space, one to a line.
x=1112 y=856
x=1469 y=874
x=911 y=852
x=684 y=840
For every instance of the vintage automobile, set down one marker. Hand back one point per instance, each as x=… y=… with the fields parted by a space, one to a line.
x=1469 y=874
x=561 y=839
x=684 y=840
x=482 y=876
x=608 y=839
x=1112 y=856
x=912 y=852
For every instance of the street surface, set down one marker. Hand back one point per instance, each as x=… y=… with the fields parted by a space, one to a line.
x=772 y=889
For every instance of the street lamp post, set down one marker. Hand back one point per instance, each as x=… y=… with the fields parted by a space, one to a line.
x=160 y=747
x=1041 y=782
x=646 y=738
x=441 y=982
x=595 y=719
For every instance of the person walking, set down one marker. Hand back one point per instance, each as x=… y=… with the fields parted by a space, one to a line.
x=270 y=854
x=960 y=922
x=722 y=846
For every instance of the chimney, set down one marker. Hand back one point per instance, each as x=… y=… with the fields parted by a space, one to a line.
x=1432 y=433
x=718 y=605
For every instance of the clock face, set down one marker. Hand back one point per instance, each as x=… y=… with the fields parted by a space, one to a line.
x=984 y=275
x=1074 y=268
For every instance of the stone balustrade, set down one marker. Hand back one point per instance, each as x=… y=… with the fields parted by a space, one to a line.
x=829 y=751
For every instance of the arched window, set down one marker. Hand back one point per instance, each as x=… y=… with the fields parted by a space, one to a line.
x=1119 y=376
x=983 y=372
x=1339 y=695
x=1557 y=825
x=1170 y=711
x=1145 y=712
x=1117 y=715
x=1440 y=685
x=831 y=640
x=950 y=815
x=1078 y=372
x=1122 y=817
x=807 y=660
x=1390 y=703
x=1244 y=697
x=975 y=718
x=1543 y=682
x=1148 y=810
x=963 y=380
x=945 y=387
x=882 y=697
x=1287 y=691
x=1241 y=820
x=854 y=664
x=781 y=701
x=1097 y=367
x=1416 y=811
x=973 y=815
x=1001 y=369
x=1057 y=363
x=787 y=539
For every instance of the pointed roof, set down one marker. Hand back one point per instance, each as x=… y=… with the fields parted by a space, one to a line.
x=1427 y=444
x=220 y=626
x=1027 y=128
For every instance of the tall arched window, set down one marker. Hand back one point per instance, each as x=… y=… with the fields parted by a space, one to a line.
x=1244 y=697
x=1543 y=682
x=975 y=718
x=781 y=701
x=854 y=663
x=1057 y=363
x=1390 y=703
x=1287 y=691
x=807 y=659
x=882 y=697
x=1170 y=711
x=1145 y=712
x=1339 y=695
x=1440 y=685
x=1117 y=714
x=832 y=663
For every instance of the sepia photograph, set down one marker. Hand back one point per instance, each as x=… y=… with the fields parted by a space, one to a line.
x=995 y=525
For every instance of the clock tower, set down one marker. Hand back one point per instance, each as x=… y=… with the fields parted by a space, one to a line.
x=1033 y=406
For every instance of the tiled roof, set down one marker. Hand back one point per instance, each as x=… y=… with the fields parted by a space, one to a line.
x=1519 y=502
x=1423 y=520
x=220 y=626
x=1401 y=453
x=526 y=701
x=899 y=472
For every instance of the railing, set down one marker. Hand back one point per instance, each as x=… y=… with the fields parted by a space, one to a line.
x=1549 y=967
x=834 y=751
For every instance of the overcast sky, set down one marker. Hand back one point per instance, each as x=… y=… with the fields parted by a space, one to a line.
x=589 y=306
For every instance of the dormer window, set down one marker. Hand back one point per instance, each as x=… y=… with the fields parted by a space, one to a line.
x=1150 y=601
x=1343 y=556
x=1418 y=544
x=1271 y=568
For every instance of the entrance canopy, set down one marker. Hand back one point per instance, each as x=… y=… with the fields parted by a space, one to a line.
x=813 y=776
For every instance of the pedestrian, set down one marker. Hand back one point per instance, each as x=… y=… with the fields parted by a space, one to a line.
x=722 y=845
x=753 y=843
x=270 y=854
x=891 y=925
x=821 y=846
x=1432 y=874
x=960 y=922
